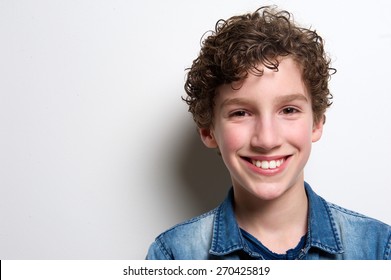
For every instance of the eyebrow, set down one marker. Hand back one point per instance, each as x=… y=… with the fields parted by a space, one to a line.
x=291 y=97
x=281 y=99
x=235 y=101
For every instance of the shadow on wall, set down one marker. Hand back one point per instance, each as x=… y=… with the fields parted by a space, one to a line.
x=205 y=179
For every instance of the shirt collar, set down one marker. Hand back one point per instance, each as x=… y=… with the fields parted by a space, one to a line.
x=226 y=233
x=322 y=232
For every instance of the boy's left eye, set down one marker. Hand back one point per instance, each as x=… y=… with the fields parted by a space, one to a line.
x=289 y=110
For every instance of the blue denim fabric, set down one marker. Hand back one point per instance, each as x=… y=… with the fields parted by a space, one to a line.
x=334 y=233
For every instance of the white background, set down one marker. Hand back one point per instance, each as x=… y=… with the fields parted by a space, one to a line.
x=98 y=154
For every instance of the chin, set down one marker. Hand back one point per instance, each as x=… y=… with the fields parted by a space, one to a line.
x=269 y=195
x=267 y=191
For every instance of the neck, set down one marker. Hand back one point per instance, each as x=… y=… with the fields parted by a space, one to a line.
x=279 y=223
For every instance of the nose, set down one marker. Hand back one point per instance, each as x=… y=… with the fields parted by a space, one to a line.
x=266 y=135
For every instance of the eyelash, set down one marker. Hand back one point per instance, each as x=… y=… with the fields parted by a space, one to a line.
x=292 y=110
x=239 y=113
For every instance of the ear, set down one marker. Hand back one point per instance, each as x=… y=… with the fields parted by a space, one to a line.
x=317 y=130
x=207 y=137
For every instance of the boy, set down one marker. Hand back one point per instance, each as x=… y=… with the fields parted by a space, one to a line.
x=258 y=92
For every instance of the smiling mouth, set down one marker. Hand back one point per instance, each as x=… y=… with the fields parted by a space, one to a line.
x=267 y=164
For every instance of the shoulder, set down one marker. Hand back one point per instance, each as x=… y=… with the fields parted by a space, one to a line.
x=190 y=239
x=185 y=230
x=346 y=215
x=362 y=234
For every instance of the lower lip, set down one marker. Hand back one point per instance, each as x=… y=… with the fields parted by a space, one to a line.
x=268 y=172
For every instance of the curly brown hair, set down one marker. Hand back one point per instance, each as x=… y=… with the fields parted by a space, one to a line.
x=239 y=44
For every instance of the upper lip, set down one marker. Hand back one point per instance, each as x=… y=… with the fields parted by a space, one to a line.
x=266 y=158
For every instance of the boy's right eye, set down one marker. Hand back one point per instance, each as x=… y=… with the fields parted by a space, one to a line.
x=239 y=113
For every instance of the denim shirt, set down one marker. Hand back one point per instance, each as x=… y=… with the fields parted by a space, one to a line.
x=334 y=233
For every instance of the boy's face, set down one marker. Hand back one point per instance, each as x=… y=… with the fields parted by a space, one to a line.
x=264 y=129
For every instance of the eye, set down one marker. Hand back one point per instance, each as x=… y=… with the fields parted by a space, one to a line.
x=289 y=110
x=239 y=113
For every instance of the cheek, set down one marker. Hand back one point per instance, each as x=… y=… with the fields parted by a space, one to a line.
x=230 y=139
x=300 y=135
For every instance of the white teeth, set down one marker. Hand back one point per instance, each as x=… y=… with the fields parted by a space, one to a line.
x=264 y=164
